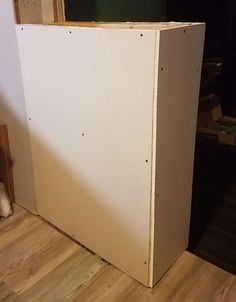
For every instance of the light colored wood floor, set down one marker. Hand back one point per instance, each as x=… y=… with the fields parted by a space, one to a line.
x=37 y=263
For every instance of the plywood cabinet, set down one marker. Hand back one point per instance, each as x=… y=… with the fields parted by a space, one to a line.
x=112 y=115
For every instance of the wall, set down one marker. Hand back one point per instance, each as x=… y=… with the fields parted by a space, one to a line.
x=13 y=110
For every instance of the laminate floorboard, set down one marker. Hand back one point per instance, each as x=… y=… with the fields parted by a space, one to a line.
x=40 y=264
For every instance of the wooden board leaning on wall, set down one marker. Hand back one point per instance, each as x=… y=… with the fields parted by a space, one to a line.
x=6 y=163
x=39 y=12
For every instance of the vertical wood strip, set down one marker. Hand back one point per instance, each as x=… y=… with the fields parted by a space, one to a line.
x=59 y=13
x=17 y=11
x=5 y=163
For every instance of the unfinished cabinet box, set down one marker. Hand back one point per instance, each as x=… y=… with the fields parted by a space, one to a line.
x=112 y=116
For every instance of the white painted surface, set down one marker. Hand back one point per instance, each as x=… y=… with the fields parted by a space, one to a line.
x=180 y=56
x=95 y=187
x=99 y=106
x=12 y=108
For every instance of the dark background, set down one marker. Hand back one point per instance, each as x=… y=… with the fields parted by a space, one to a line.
x=115 y=10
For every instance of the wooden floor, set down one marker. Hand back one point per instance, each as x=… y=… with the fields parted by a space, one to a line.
x=37 y=263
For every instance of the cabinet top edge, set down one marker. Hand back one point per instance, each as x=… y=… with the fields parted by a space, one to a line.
x=158 y=26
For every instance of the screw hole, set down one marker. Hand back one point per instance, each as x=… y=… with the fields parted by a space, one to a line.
x=22 y=28
x=141 y=35
x=82 y=134
x=146 y=161
x=184 y=31
x=162 y=68
x=29 y=119
x=145 y=262
x=70 y=31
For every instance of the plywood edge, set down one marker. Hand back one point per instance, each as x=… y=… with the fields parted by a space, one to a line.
x=120 y=25
x=181 y=25
x=154 y=151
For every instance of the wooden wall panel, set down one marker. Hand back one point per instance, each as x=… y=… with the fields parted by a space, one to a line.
x=59 y=12
x=30 y=11
x=48 y=11
x=17 y=11
x=39 y=12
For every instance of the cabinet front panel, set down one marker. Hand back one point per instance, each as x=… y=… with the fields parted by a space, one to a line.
x=89 y=95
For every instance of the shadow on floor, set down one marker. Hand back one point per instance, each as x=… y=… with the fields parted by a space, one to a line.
x=213 y=216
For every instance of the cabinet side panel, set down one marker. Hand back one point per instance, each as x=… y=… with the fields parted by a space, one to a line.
x=89 y=96
x=180 y=60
